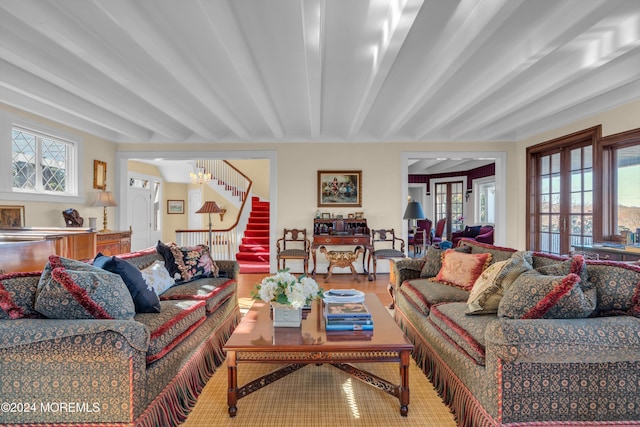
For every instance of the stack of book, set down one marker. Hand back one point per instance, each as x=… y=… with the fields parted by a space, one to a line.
x=347 y=316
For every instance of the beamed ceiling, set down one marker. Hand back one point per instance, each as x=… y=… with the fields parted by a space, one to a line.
x=318 y=70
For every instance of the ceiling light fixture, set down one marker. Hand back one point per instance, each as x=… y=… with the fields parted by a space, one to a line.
x=201 y=177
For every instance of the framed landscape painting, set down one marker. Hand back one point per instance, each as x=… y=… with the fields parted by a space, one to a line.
x=339 y=189
x=175 y=206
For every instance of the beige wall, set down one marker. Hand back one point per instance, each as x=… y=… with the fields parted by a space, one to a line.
x=298 y=163
x=258 y=171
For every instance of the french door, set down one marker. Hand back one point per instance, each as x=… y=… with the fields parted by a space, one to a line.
x=560 y=202
x=448 y=204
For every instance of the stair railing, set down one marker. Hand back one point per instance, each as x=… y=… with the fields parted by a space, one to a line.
x=225 y=242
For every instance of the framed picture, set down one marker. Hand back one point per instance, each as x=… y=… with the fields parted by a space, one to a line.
x=326 y=215
x=359 y=215
x=99 y=174
x=11 y=216
x=339 y=188
x=175 y=206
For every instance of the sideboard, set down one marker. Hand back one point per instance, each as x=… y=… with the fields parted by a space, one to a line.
x=113 y=242
x=610 y=253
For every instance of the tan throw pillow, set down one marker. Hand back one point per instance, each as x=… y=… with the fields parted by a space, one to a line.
x=486 y=293
x=494 y=281
x=462 y=270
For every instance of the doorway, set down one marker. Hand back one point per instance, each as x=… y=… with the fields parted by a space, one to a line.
x=498 y=157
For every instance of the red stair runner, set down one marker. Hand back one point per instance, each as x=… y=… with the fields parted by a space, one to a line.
x=253 y=255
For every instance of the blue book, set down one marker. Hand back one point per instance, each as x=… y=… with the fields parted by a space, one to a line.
x=344 y=327
x=350 y=320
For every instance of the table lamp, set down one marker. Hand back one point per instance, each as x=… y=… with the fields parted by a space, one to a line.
x=104 y=199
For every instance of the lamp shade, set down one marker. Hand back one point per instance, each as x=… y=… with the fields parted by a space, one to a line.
x=414 y=211
x=104 y=199
x=209 y=207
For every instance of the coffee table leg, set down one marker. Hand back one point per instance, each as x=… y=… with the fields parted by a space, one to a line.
x=232 y=375
x=403 y=395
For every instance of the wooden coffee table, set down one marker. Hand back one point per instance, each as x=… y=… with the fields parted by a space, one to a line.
x=256 y=340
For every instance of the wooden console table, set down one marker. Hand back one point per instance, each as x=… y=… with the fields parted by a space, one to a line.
x=341 y=232
x=70 y=242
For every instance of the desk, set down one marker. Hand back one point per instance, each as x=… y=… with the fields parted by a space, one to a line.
x=341 y=232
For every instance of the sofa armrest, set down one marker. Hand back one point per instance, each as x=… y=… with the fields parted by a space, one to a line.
x=585 y=364
x=407 y=269
x=73 y=371
x=229 y=267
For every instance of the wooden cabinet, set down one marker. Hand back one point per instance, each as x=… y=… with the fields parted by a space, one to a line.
x=113 y=242
x=70 y=242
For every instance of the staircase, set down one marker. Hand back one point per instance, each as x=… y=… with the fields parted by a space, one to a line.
x=253 y=255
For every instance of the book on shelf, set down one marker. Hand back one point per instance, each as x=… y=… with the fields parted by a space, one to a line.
x=347 y=327
x=346 y=309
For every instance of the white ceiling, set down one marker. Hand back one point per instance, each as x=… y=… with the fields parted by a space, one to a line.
x=318 y=70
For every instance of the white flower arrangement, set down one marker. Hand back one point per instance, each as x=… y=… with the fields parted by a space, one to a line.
x=285 y=288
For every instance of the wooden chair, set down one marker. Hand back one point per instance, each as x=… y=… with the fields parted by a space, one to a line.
x=294 y=244
x=385 y=245
x=439 y=230
x=422 y=236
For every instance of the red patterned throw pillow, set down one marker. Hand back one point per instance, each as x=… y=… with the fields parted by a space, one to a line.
x=460 y=269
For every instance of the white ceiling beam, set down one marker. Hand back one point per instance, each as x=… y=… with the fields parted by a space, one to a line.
x=565 y=69
x=393 y=33
x=479 y=18
x=556 y=25
x=224 y=23
x=133 y=19
x=313 y=15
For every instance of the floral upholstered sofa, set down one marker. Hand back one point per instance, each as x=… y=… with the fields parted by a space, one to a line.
x=87 y=343
x=515 y=338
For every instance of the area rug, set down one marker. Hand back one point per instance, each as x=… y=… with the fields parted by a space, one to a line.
x=316 y=396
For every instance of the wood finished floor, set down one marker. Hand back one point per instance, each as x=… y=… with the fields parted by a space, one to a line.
x=246 y=282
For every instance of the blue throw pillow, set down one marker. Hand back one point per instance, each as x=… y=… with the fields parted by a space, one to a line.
x=144 y=298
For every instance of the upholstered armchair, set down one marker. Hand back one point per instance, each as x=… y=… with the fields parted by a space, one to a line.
x=482 y=234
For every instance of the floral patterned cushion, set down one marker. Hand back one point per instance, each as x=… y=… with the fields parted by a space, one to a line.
x=157 y=277
x=536 y=296
x=433 y=260
x=490 y=286
x=461 y=269
x=193 y=261
x=18 y=295
x=70 y=289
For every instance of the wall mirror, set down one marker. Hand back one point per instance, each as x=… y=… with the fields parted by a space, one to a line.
x=99 y=174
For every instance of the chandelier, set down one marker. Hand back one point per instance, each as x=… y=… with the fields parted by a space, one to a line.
x=201 y=177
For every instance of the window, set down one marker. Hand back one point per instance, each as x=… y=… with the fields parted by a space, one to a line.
x=560 y=196
x=42 y=163
x=619 y=156
x=486 y=202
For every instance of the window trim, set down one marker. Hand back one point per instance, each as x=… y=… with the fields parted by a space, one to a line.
x=604 y=194
x=589 y=136
x=7 y=123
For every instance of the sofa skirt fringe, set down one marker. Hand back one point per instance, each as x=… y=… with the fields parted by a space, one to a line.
x=466 y=410
x=175 y=402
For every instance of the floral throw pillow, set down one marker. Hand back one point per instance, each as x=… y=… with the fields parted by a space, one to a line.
x=193 y=262
x=70 y=289
x=461 y=269
x=157 y=277
x=433 y=260
x=538 y=296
